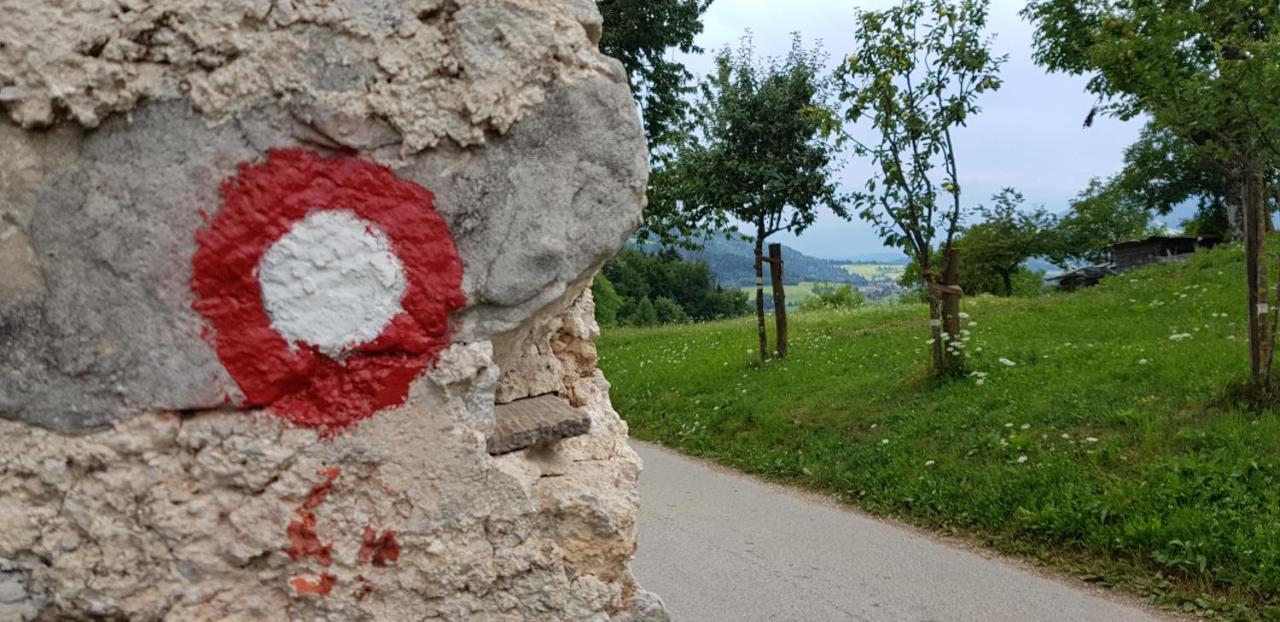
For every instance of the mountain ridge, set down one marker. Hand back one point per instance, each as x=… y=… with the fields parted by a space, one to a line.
x=732 y=263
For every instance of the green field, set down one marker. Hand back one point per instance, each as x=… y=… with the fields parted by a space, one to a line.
x=876 y=271
x=795 y=293
x=1102 y=445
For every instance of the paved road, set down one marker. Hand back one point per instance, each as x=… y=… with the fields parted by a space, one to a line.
x=717 y=545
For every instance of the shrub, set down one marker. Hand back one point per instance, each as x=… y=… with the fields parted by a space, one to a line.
x=827 y=296
x=669 y=311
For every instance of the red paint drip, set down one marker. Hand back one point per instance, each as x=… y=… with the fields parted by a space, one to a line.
x=302 y=385
x=321 y=490
x=364 y=589
x=378 y=549
x=303 y=540
x=319 y=587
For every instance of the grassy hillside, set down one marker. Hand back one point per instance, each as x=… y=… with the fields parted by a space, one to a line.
x=1093 y=436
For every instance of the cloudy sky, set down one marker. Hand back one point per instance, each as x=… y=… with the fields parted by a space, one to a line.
x=1029 y=134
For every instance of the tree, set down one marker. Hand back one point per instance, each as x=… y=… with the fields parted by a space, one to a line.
x=608 y=302
x=1163 y=171
x=640 y=34
x=1205 y=70
x=644 y=314
x=669 y=311
x=1101 y=215
x=759 y=153
x=915 y=76
x=1005 y=239
x=633 y=275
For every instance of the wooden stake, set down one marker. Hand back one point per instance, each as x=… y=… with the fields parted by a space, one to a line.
x=764 y=335
x=779 y=299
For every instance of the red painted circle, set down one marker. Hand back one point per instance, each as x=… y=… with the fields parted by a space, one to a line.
x=301 y=384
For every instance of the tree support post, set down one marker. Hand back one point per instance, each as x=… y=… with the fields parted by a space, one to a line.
x=779 y=299
x=760 y=328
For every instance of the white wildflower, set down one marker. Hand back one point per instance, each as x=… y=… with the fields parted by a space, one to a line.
x=1022 y=459
x=929 y=463
x=1007 y=362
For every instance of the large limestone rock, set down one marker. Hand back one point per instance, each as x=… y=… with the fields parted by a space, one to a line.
x=135 y=484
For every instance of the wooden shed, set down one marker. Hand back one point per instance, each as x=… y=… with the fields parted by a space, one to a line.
x=1137 y=253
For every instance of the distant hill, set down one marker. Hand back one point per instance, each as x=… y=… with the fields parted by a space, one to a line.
x=732 y=264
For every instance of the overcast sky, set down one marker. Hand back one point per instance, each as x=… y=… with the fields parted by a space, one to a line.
x=1029 y=135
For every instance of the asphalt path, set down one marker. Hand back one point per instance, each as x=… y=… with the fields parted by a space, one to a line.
x=718 y=545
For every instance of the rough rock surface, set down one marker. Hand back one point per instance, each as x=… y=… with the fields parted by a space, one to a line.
x=96 y=310
x=130 y=485
x=433 y=69
x=196 y=516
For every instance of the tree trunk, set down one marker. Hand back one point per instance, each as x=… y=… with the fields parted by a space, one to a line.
x=764 y=336
x=1235 y=217
x=935 y=328
x=779 y=299
x=953 y=359
x=933 y=297
x=1007 y=275
x=1261 y=337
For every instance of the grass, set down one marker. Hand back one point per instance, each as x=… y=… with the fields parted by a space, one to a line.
x=1103 y=445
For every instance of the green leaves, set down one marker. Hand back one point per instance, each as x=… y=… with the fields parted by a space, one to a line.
x=759 y=151
x=1204 y=70
x=640 y=33
x=914 y=75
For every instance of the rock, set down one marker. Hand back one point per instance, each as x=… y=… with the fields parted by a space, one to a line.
x=535 y=421
x=110 y=329
x=646 y=607
x=133 y=456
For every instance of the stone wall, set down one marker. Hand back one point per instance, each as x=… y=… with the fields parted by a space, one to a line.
x=155 y=465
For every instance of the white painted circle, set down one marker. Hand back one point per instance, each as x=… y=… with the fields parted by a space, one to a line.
x=332 y=282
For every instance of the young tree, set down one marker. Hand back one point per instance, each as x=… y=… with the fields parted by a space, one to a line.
x=915 y=76
x=1206 y=70
x=759 y=153
x=1005 y=239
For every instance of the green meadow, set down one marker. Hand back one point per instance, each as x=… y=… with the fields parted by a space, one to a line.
x=876 y=271
x=1093 y=432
